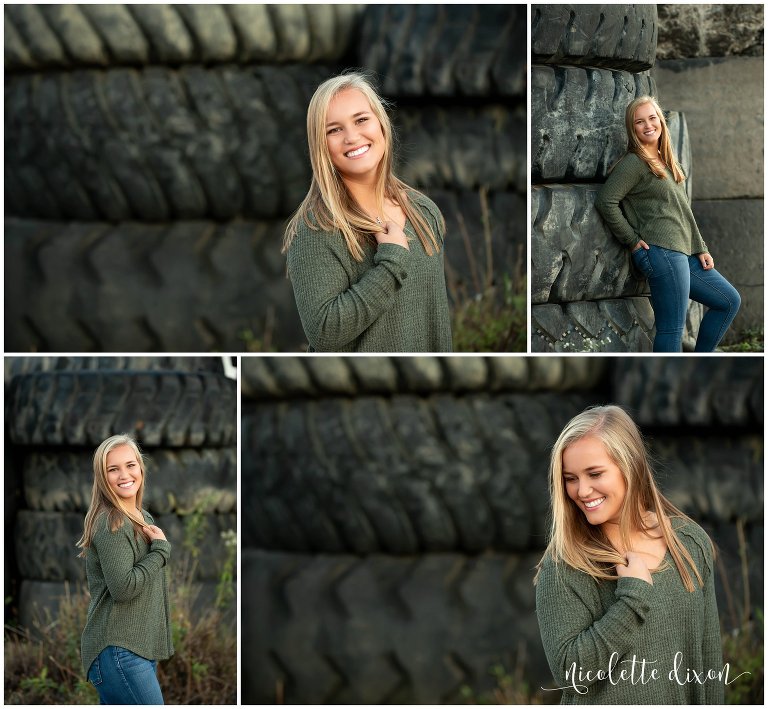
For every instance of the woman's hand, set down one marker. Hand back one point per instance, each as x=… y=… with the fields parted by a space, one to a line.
x=707 y=262
x=392 y=233
x=154 y=532
x=641 y=245
x=634 y=568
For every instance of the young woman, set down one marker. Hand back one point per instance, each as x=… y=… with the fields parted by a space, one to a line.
x=657 y=224
x=365 y=251
x=128 y=624
x=626 y=584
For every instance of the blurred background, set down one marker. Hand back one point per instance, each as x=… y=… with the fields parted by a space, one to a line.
x=182 y=411
x=153 y=154
x=394 y=510
x=704 y=63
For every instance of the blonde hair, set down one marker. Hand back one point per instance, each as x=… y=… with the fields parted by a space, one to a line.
x=666 y=152
x=328 y=202
x=577 y=543
x=104 y=500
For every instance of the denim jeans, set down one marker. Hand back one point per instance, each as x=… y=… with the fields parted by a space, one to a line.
x=675 y=277
x=122 y=677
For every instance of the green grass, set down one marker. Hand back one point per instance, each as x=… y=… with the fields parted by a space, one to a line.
x=750 y=340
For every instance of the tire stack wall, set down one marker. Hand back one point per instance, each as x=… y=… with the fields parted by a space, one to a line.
x=589 y=62
x=710 y=65
x=394 y=508
x=58 y=409
x=172 y=139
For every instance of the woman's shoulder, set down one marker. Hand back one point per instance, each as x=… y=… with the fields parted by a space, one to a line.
x=695 y=540
x=420 y=200
x=552 y=571
x=690 y=533
x=629 y=163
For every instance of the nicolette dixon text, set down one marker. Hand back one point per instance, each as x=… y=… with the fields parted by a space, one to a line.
x=641 y=671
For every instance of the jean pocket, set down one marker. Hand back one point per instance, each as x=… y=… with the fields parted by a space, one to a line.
x=94 y=673
x=642 y=261
x=129 y=660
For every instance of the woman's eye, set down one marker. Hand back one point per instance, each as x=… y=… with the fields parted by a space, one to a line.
x=595 y=475
x=362 y=119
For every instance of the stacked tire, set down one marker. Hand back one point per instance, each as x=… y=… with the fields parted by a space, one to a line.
x=589 y=63
x=393 y=512
x=182 y=412
x=457 y=74
x=153 y=154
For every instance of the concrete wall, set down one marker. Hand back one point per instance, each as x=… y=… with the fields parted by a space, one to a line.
x=710 y=66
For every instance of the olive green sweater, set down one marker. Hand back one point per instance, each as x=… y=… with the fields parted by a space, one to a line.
x=394 y=300
x=127 y=580
x=655 y=210
x=583 y=622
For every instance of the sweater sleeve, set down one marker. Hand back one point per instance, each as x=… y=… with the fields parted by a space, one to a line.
x=712 y=651
x=624 y=176
x=125 y=579
x=332 y=311
x=573 y=635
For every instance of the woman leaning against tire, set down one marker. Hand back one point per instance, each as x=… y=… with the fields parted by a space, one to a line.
x=128 y=624
x=365 y=251
x=658 y=225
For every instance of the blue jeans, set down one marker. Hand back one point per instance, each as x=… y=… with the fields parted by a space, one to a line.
x=674 y=278
x=122 y=677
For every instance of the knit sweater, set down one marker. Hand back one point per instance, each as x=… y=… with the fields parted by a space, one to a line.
x=394 y=300
x=127 y=580
x=655 y=210
x=585 y=622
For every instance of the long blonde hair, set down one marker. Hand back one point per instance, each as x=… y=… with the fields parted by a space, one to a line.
x=666 y=152
x=328 y=202
x=577 y=543
x=103 y=497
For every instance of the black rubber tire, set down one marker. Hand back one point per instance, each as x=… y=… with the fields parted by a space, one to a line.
x=446 y=50
x=71 y=36
x=611 y=325
x=403 y=474
x=663 y=391
x=24 y=365
x=158 y=144
x=478 y=256
x=577 y=120
x=185 y=287
x=178 y=481
x=463 y=148
x=46 y=551
x=718 y=478
x=382 y=629
x=574 y=256
x=606 y=36
x=161 y=409
x=265 y=378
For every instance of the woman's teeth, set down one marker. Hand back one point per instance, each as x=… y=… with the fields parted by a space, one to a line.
x=359 y=151
x=124 y=485
x=594 y=503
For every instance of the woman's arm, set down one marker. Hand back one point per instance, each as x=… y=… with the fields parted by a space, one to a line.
x=712 y=651
x=573 y=637
x=623 y=178
x=333 y=312
x=126 y=580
